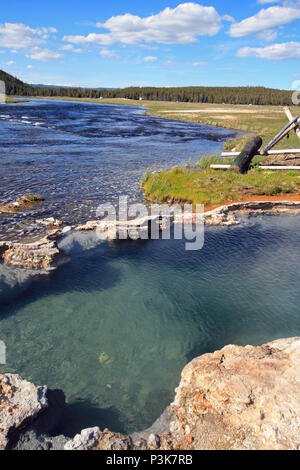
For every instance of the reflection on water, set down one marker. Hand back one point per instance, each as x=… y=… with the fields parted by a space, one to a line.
x=80 y=155
x=115 y=327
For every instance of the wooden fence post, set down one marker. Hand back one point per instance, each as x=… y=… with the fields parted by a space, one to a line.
x=291 y=118
x=243 y=161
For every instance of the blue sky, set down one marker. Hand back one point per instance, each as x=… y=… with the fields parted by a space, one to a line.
x=157 y=43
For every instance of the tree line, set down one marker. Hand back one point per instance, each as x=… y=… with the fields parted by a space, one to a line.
x=218 y=95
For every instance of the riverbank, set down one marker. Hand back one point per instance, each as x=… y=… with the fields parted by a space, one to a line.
x=265 y=121
x=10 y=100
x=199 y=184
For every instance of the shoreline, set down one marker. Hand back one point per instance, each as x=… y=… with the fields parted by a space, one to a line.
x=284 y=198
x=45 y=255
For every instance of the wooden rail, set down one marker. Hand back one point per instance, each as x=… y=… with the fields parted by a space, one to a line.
x=270 y=152
x=263 y=167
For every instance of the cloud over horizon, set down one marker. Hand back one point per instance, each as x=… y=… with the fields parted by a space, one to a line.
x=284 y=51
x=264 y=21
x=21 y=36
x=181 y=25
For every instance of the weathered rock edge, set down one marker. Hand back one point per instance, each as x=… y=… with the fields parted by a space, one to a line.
x=224 y=216
x=227 y=215
x=20 y=404
x=238 y=398
x=43 y=254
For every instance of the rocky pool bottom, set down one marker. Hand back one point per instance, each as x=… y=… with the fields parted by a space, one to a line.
x=114 y=327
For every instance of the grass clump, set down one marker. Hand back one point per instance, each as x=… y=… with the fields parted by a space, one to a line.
x=214 y=187
x=14 y=100
x=205 y=162
x=146 y=176
x=32 y=198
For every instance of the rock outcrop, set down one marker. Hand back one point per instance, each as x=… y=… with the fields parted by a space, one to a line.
x=238 y=398
x=28 y=414
x=87 y=439
x=20 y=403
x=43 y=254
x=26 y=202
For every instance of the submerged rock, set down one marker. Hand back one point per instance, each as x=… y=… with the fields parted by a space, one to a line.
x=25 y=202
x=50 y=222
x=43 y=254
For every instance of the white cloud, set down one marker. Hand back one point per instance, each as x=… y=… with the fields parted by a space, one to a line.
x=228 y=18
x=20 y=36
x=11 y=62
x=181 y=25
x=284 y=51
x=150 y=58
x=268 y=35
x=44 y=55
x=199 y=64
x=169 y=63
x=109 y=54
x=30 y=67
x=264 y=21
x=69 y=47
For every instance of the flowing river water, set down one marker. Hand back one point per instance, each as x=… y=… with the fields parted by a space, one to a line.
x=79 y=155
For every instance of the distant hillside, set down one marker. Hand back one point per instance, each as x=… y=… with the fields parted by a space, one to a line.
x=40 y=85
x=15 y=86
x=228 y=95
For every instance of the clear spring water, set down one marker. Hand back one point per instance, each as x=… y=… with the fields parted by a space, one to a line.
x=115 y=327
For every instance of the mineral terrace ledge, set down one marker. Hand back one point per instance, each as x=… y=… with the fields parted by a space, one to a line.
x=41 y=255
x=45 y=254
x=224 y=215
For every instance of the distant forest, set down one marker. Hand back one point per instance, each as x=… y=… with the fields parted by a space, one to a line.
x=228 y=95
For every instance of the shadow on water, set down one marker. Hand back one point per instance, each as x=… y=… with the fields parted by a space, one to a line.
x=84 y=414
x=63 y=280
x=87 y=271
